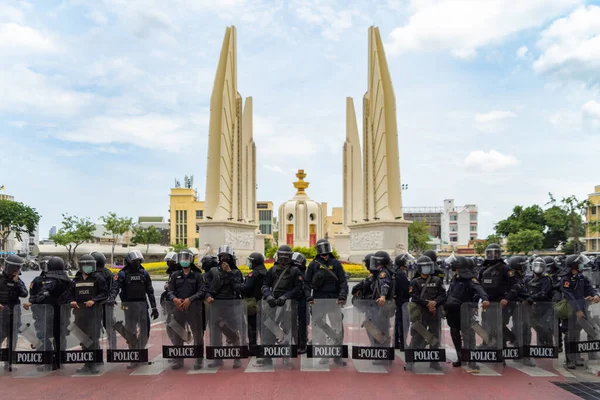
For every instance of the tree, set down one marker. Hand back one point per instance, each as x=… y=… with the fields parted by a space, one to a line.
x=525 y=241
x=74 y=232
x=418 y=236
x=177 y=247
x=115 y=227
x=529 y=218
x=557 y=223
x=16 y=218
x=148 y=236
x=574 y=210
x=479 y=247
x=276 y=238
x=570 y=247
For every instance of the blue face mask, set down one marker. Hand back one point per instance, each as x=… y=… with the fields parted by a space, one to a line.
x=87 y=270
x=184 y=264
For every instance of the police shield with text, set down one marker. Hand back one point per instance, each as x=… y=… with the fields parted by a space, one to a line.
x=11 y=290
x=88 y=292
x=183 y=307
x=401 y=295
x=253 y=294
x=224 y=286
x=283 y=286
x=132 y=284
x=107 y=317
x=299 y=261
x=423 y=318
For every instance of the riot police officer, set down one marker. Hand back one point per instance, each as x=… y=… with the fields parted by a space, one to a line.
x=282 y=282
x=11 y=289
x=501 y=285
x=464 y=288
x=225 y=282
x=87 y=293
x=576 y=289
x=54 y=292
x=299 y=261
x=107 y=317
x=439 y=272
x=401 y=295
x=428 y=294
x=133 y=284
x=172 y=266
x=35 y=287
x=252 y=293
x=185 y=287
x=553 y=272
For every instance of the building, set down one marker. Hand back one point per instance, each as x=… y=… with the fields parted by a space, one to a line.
x=301 y=220
x=186 y=211
x=52 y=231
x=432 y=215
x=159 y=223
x=25 y=246
x=334 y=223
x=592 y=237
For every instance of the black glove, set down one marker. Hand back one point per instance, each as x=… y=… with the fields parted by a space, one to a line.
x=154 y=313
x=309 y=299
x=271 y=301
x=111 y=302
x=281 y=301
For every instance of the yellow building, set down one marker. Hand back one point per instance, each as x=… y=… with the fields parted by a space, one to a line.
x=334 y=223
x=186 y=211
x=592 y=239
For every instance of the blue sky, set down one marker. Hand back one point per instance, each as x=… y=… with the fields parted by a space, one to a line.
x=104 y=103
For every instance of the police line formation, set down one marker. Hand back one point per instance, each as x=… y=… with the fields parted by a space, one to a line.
x=516 y=309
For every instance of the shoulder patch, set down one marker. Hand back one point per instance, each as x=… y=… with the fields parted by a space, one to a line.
x=299 y=277
x=567 y=284
x=474 y=280
x=31 y=286
x=116 y=278
x=410 y=289
x=382 y=275
x=511 y=273
x=250 y=275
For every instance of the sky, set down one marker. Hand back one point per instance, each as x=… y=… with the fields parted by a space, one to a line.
x=105 y=103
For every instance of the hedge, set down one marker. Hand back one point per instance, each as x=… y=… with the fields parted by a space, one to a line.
x=160 y=268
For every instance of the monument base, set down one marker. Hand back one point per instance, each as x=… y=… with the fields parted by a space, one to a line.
x=241 y=236
x=369 y=237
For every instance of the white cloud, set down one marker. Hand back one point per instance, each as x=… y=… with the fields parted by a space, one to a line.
x=274 y=168
x=522 y=52
x=591 y=114
x=151 y=131
x=97 y=17
x=18 y=38
x=25 y=91
x=571 y=47
x=332 y=21
x=464 y=26
x=18 y=124
x=489 y=162
x=10 y=14
x=493 y=116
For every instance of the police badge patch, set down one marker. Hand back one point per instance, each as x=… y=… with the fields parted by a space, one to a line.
x=511 y=273
x=382 y=275
x=567 y=284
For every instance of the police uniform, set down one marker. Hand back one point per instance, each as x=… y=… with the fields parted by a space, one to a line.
x=252 y=290
x=382 y=286
x=190 y=286
x=401 y=297
x=575 y=288
x=88 y=319
x=10 y=292
x=35 y=288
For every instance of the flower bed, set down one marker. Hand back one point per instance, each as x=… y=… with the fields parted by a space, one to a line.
x=160 y=268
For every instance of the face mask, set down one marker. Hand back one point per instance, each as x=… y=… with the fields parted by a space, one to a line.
x=185 y=264
x=427 y=270
x=87 y=270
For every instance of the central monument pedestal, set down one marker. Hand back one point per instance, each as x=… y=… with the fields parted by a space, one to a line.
x=242 y=237
x=370 y=237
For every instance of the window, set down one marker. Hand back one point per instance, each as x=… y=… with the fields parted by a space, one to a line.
x=472 y=238
x=453 y=217
x=594 y=210
x=453 y=228
x=199 y=214
x=473 y=228
x=265 y=215
x=473 y=217
x=454 y=239
x=262 y=205
x=265 y=229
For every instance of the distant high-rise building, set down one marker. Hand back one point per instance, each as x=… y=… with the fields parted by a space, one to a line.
x=52 y=232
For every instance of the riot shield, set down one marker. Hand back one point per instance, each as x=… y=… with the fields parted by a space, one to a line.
x=278 y=333
x=182 y=338
x=82 y=354
x=482 y=340
x=228 y=340
x=423 y=339
x=582 y=338
x=512 y=333
x=540 y=335
x=372 y=335
x=5 y=341
x=131 y=327
x=327 y=334
x=34 y=341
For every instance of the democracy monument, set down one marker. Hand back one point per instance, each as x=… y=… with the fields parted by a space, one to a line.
x=372 y=197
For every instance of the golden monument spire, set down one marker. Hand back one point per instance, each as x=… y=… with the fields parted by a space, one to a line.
x=301 y=185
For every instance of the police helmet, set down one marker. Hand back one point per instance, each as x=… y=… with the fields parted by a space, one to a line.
x=550 y=264
x=323 y=247
x=225 y=253
x=493 y=252
x=431 y=254
x=450 y=261
x=209 y=262
x=284 y=254
x=44 y=263
x=576 y=261
x=134 y=255
x=13 y=264
x=255 y=259
x=518 y=263
x=538 y=266
x=171 y=256
x=367 y=260
x=404 y=260
x=100 y=259
x=87 y=264
x=380 y=259
x=425 y=265
x=299 y=260
x=56 y=264
x=185 y=258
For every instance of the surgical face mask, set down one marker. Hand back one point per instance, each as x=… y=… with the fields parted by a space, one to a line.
x=185 y=264
x=427 y=269
x=88 y=269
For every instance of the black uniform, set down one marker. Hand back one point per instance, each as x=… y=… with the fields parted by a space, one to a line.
x=10 y=292
x=252 y=293
x=182 y=286
x=539 y=310
x=401 y=296
x=327 y=279
x=88 y=319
